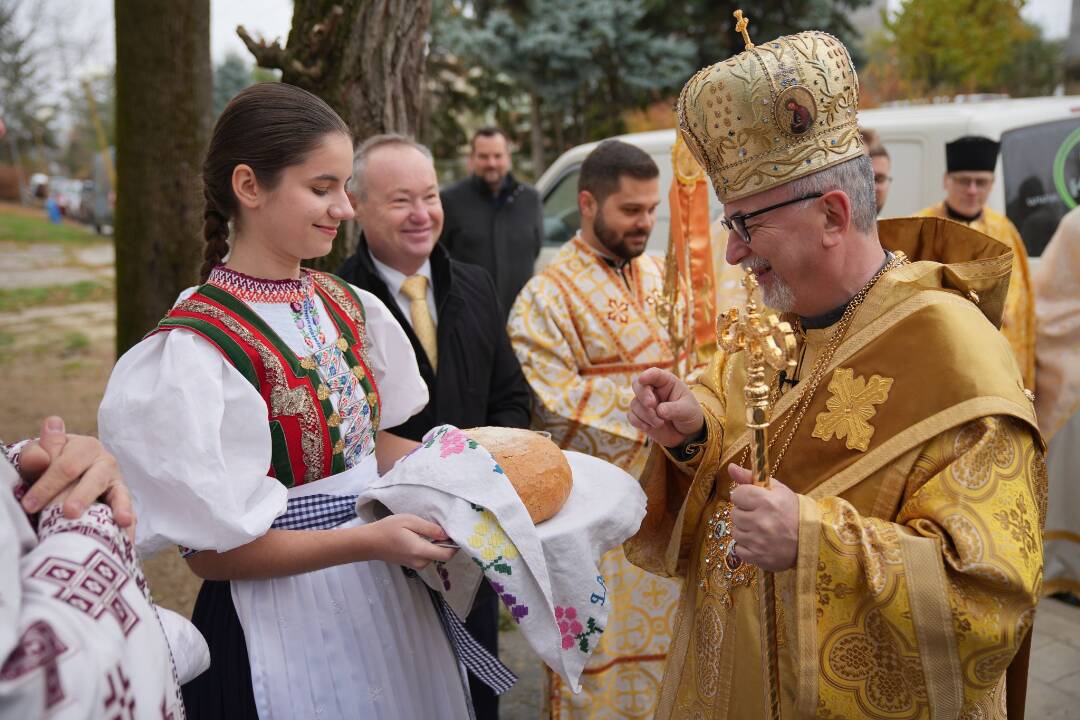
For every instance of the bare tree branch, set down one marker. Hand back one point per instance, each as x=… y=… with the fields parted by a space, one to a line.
x=304 y=59
x=268 y=56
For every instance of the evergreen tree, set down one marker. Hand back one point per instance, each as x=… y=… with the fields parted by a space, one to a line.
x=576 y=65
x=709 y=26
x=231 y=76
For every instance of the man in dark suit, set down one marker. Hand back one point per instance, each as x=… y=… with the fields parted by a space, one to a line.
x=493 y=219
x=448 y=309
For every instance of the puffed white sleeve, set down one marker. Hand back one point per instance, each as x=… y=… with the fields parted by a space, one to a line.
x=402 y=391
x=193 y=442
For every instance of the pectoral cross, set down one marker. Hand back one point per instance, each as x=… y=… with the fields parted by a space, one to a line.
x=740 y=26
x=766 y=342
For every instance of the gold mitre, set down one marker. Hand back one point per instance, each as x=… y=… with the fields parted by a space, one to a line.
x=772 y=113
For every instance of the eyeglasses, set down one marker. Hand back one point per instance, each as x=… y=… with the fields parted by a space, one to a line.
x=738 y=222
x=965 y=181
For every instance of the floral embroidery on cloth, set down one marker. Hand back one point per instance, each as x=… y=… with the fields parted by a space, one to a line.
x=546 y=575
x=573 y=632
x=495 y=548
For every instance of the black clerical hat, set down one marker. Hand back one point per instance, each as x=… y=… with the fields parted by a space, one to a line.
x=971 y=152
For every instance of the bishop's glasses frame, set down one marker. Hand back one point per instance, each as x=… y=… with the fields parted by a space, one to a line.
x=738 y=222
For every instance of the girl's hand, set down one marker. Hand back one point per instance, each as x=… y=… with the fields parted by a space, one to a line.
x=406 y=540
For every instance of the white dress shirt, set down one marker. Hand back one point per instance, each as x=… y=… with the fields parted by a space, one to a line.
x=394 y=279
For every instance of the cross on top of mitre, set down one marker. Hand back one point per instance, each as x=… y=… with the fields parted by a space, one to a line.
x=740 y=26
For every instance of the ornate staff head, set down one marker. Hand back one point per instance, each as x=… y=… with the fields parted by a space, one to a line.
x=766 y=342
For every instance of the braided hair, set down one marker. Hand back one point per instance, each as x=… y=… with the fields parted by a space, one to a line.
x=268 y=127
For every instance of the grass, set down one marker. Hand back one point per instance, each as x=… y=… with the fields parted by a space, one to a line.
x=74 y=342
x=82 y=291
x=506 y=621
x=23 y=225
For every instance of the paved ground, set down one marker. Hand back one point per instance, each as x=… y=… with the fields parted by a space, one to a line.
x=1054 y=675
x=76 y=373
x=1053 y=688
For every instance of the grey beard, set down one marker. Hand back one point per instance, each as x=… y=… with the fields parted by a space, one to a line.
x=777 y=297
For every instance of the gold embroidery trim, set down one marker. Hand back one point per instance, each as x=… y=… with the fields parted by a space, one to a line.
x=932 y=620
x=806 y=643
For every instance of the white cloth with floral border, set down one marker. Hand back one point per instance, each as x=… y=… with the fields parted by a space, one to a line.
x=546 y=574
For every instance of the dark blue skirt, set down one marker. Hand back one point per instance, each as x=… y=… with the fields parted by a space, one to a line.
x=224 y=691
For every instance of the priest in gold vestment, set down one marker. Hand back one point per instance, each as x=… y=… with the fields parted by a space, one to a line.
x=582 y=329
x=904 y=520
x=969 y=177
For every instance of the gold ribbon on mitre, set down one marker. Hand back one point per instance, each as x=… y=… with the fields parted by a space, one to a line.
x=772 y=113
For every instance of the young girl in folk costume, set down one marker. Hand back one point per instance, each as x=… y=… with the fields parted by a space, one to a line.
x=252 y=414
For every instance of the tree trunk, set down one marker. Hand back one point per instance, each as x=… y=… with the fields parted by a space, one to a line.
x=365 y=58
x=163 y=90
x=536 y=123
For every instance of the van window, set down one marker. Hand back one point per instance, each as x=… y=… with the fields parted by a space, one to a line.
x=906 y=192
x=561 y=215
x=1041 y=167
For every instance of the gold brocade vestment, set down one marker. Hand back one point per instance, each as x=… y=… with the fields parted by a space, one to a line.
x=1018 y=321
x=582 y=331
x=922 y=494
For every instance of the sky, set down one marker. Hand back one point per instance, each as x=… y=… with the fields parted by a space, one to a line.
x=271 y=18
x=88 y=26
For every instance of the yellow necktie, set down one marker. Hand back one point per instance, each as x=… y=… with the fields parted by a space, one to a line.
x=415 y=288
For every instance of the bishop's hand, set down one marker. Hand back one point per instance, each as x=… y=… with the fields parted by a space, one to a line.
x=766 y=521
x=664 y=408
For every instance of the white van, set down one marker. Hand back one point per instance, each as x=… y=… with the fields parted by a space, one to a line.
x=1038 y=174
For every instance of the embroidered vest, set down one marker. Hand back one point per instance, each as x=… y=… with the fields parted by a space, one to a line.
x=305 y=430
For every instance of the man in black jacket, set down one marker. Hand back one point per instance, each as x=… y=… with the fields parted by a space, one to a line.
x=492 y=219
x=448 y=309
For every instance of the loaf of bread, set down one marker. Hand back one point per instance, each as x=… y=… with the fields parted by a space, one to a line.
x=535 y=466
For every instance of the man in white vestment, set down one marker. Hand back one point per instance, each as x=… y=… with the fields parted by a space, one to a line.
x=79 y=637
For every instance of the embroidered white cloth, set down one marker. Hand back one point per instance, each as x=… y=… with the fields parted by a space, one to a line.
x=79 y=637
x=546 y=574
